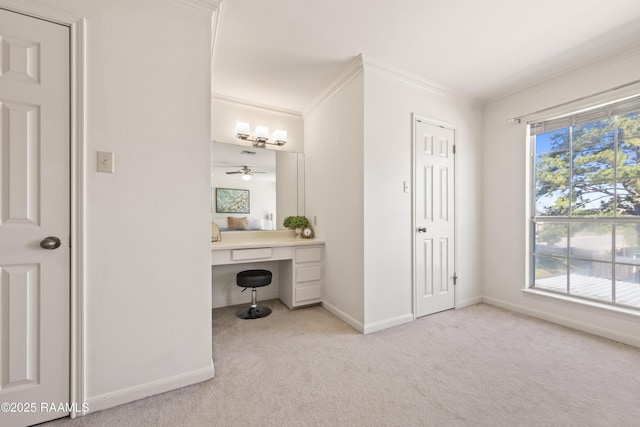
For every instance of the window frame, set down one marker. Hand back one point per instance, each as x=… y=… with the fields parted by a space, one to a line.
x=592 y=114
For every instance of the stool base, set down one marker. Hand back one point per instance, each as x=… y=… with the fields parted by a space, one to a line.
x=253 y=312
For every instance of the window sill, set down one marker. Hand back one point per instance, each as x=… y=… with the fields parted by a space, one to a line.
x=591 y=305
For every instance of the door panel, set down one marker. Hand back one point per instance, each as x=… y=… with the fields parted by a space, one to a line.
x=21 y=146
x=34 y=204
x=22 y=285
x=434 y=218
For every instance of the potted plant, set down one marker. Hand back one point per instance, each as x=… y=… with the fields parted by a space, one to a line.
x=296 y=222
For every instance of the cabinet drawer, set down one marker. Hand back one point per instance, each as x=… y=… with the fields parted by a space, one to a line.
x=308 y=274
x=245 y=254
x=308 y=255
x=308 y=293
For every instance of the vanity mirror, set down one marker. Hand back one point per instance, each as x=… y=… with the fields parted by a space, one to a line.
x=274 y=180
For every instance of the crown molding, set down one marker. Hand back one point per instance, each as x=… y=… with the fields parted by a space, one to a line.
x=40 y=11
x=395 y=73
x=64 y=17
x=206 y=6
x=216 y=25
x=353 y=69
x=250 y=105
x=365 y=63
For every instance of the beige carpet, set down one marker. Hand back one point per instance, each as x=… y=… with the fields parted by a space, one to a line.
x=478 y=366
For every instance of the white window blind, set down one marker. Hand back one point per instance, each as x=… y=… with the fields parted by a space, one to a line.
x=623 y=106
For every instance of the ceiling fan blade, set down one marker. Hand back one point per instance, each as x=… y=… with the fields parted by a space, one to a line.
x=231 y=173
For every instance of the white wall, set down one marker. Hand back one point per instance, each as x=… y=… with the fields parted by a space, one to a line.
x=389 y=104
x=504 y=191
x=147 y=277
x=334 y=191
x=359 y=152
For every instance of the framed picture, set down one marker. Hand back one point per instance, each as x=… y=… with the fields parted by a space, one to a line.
x=229 y=200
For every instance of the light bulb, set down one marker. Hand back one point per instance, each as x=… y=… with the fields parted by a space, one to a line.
x=262 y=133
x=280 y=136
x=242 y=130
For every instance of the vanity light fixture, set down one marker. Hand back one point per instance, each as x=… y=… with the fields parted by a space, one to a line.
x=262 y=135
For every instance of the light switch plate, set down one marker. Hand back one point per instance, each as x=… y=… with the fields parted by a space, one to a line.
x=105 y=161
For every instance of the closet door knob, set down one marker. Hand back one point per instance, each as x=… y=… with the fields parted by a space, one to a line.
x=422 y=229
x=50 y=243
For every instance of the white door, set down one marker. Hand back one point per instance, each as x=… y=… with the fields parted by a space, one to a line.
x=434 y=185
x=34 y=205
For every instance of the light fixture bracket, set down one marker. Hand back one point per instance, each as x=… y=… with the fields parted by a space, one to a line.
x=260 y=142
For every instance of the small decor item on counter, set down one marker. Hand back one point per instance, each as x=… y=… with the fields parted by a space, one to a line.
x=296 y=223
x=216 y=236
x=307 y=232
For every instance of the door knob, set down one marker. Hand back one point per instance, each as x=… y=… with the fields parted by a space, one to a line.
x=50 y=243
x=422 y=229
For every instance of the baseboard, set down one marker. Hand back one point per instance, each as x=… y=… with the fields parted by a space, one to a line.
x=566 y=321
x=119 y=397
x=358 y=326
x=369 y=328
x=468 y=302
x=388 y=323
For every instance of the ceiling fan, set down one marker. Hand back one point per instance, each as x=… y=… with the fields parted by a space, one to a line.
x=245 y=171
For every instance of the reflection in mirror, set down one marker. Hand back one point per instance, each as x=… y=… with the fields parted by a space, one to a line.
x=274 y=179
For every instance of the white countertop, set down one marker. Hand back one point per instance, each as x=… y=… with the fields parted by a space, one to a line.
x=261 y=239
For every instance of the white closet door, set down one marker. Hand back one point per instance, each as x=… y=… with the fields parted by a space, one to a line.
x=434 y=217
x=34 y=205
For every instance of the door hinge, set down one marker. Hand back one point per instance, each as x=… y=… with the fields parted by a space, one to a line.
x=454 y=149
x=455 y=278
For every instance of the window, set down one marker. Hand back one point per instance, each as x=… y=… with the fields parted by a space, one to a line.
x=585 y=204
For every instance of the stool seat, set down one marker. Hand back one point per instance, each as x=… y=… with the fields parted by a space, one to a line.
x=253 y=279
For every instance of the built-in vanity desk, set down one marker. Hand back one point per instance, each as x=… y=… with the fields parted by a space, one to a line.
x=299 y=263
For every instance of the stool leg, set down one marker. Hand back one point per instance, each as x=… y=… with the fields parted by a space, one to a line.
x=254 y=311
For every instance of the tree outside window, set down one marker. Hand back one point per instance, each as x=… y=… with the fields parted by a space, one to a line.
x=586 y=208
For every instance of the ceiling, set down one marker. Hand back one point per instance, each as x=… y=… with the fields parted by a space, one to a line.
x=232 y=158
x=284 y=53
